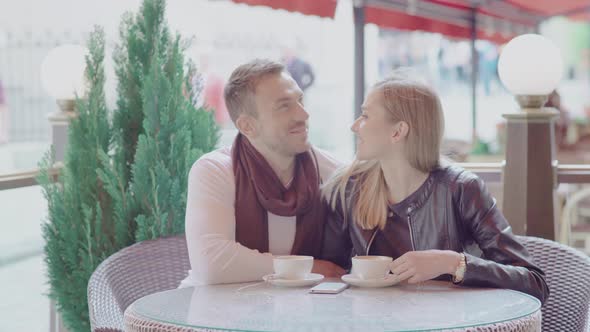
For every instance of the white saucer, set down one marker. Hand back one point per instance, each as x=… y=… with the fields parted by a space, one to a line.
x=310 y=279
x=390 y=280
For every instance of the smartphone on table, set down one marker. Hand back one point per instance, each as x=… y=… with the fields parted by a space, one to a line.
x=328 y=288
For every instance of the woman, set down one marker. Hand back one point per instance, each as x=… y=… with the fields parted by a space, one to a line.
x=397 y=199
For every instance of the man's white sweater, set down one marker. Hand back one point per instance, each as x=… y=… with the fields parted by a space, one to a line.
x=210 y=224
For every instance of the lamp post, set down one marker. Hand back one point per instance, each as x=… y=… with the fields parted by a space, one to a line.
x=530 y=67
x=62 y=76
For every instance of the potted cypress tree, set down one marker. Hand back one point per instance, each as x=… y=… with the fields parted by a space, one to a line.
x=125 y=171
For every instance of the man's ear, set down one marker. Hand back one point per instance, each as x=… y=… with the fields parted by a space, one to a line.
x=400 y=131
x=246 y=125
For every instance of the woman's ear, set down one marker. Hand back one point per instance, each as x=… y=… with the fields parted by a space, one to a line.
x=400 y=131
x=246 y=126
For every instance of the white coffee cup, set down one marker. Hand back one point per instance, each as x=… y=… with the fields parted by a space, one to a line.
x=292 y=266
x=371 y=267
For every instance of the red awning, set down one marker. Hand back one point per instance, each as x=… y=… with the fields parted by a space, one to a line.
x=553 y=7
x=497 y=21
x=397 y=20
x=321 y=8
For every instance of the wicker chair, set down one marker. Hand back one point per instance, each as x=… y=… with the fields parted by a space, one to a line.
x=567 y=272
x=136 y=271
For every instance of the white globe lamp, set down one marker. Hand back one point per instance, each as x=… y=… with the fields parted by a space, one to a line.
x=62 y=74
x=530 y=67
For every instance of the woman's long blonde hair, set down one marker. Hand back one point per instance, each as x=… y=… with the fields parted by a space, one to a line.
x=404 y=100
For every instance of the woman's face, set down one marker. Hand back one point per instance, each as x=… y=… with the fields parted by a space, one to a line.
x=374 y=129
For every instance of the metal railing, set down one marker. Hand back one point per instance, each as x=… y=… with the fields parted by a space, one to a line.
x=489 y=172
x=27 y=178
x=492 y=172
x=573 y=174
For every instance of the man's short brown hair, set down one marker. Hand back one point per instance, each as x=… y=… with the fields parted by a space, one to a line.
x=240 y=89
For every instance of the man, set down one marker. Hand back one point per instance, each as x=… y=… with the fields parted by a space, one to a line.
x=260 y=197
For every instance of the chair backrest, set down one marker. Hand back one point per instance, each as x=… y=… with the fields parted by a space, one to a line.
x=133 y=272
x=567 y=272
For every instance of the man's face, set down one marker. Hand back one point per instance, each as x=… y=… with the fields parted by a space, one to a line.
x=281 y=122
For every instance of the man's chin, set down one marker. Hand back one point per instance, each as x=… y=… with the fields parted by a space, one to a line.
x=299 y=149
x=292 y=148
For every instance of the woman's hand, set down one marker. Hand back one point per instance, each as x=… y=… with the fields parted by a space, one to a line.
x=419 y=266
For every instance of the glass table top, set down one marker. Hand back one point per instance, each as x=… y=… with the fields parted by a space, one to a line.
x=262 y=307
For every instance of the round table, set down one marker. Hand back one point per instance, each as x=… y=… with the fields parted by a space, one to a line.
x=262 y=307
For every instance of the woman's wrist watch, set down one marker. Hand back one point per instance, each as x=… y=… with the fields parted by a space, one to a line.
x=460 y=271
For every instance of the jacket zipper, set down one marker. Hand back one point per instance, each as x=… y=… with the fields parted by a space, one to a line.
x=410 y=227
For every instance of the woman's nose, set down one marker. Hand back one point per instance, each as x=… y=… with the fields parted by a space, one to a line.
x=355 y=126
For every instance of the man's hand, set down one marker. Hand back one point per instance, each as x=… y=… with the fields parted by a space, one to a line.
x=419 y=266
x=327 y=268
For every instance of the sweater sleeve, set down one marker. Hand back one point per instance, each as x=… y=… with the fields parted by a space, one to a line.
x=210 y=223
